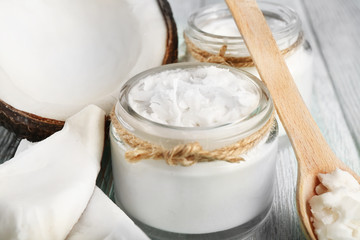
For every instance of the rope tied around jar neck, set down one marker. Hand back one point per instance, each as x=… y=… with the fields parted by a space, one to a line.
x=204 y=56
x=189 y=153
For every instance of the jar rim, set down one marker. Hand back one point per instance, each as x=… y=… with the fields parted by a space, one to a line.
x=131 y=120
x=269 y=9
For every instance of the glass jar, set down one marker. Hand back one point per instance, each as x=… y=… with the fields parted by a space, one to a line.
x=207 y=200
x=212 y=36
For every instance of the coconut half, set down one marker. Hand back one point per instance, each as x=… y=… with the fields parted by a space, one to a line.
x=58 y=56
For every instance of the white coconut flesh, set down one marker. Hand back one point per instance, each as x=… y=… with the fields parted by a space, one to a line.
x=102 y=219
x=60 y=55
x=45 y=189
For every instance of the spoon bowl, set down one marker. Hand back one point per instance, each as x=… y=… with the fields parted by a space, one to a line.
x=312 y=152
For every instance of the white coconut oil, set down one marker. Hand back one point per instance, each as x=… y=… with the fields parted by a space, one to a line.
x=211 y=28
x=214 y=106
x=336 y=208
x=194 y=98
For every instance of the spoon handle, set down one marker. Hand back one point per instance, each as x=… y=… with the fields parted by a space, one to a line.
x=309 y=145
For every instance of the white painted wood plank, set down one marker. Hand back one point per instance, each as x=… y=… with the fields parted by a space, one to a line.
x=8 y=144
x=337 y=24
x=326 y=107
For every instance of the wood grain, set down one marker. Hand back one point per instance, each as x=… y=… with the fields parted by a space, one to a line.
x=313 y=154
x=8 y=144
x=336 y=24
x=334 y=97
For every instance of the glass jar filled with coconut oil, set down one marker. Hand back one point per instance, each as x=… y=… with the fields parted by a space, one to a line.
x=212 y=36
x=192 y=156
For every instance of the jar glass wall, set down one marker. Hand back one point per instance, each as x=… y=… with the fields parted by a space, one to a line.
x=215 y=199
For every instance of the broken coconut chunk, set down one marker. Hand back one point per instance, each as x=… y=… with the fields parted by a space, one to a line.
x=102 y=219
x=45 y=189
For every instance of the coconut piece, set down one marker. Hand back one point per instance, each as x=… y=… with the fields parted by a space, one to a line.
x=27 y=125
x=102 y=219
x=58 y=57
x=45 y=189
x=171 y=55
x=23 y=145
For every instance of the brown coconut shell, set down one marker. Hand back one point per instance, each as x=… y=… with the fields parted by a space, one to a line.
x=36 y=128
x=171 y=54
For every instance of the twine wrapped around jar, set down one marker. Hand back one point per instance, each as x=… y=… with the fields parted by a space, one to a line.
x=190 y=153
x=204 y=56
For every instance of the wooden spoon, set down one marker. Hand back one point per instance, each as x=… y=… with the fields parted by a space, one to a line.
x=313 y=154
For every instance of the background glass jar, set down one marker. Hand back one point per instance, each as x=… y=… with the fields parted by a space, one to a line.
x=212 y=36
x=214 y=199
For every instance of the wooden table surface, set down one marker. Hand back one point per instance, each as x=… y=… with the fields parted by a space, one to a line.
x=333 y=29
